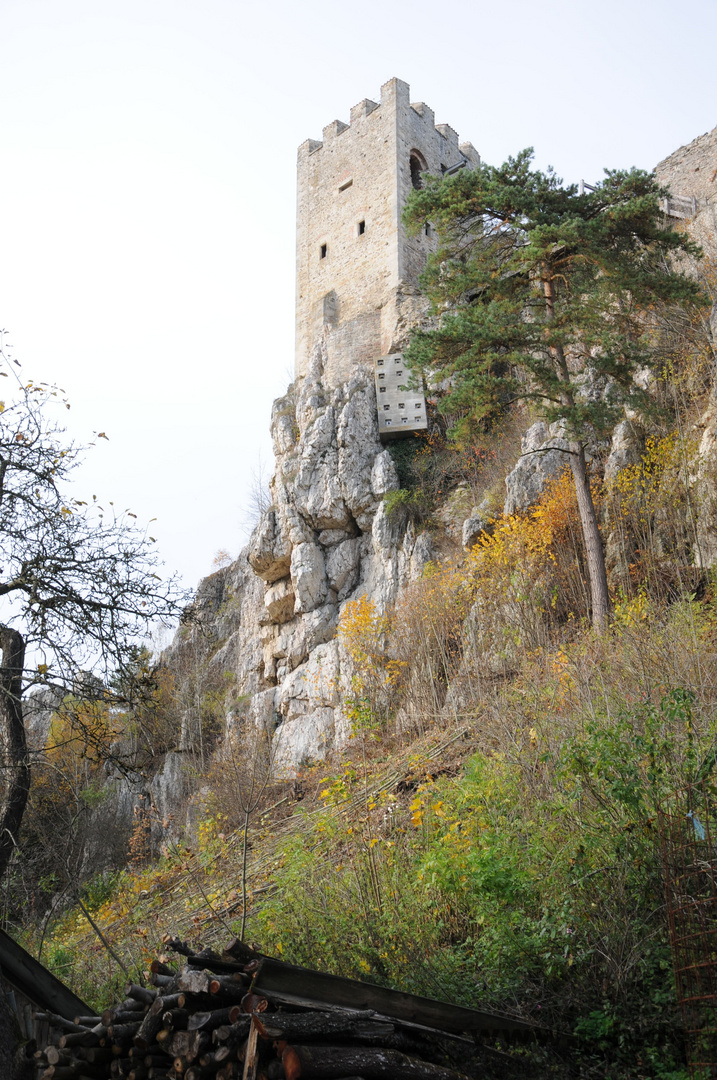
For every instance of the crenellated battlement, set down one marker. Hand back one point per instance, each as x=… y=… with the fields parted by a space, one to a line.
x=351 y=244
x=367 y=106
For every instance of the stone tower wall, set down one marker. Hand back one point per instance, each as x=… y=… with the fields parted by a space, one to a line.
x=692 y=171
x=364 y=288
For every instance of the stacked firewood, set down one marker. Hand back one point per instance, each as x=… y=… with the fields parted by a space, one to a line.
x=203 y=1021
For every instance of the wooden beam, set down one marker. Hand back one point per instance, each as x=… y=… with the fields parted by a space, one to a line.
x=38 y=984
x=302 y=986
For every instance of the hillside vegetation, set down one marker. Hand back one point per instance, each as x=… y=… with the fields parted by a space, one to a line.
x=491 y=832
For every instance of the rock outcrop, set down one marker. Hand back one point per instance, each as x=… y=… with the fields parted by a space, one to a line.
x=543 y=457
x=270 y=619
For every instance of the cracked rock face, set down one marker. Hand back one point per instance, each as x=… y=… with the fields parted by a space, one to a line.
x=325 y=539
x=279 y=601
x=269 y=553
x=543 y=457
x=308 y=576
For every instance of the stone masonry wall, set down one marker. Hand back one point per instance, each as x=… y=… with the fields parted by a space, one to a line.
x=363 y=291
x=692 y=171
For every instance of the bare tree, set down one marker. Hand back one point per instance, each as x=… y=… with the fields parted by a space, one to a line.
x=79 y=585
x=259 y=496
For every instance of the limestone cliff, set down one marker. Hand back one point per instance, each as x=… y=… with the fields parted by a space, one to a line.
x=270 y=619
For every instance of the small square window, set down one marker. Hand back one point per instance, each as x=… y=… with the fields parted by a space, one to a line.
x=380 y=363
x=387 y=407
x=401 y=405
x=404 y=419
x=382 y=389
x=361 y=228
x=397 y=359
x=388 y=423
x=323 y=251
x=417 y=405
x=381 y=375
x=399 y=373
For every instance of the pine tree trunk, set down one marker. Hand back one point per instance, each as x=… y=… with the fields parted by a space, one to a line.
x=593 y=541
x=17 y=770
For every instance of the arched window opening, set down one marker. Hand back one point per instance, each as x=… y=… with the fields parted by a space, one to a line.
x=418 y=166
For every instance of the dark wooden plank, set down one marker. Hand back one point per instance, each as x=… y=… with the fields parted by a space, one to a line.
x=302 y=986
x=38 y=984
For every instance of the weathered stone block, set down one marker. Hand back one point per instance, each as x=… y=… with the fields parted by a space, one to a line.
x=269 y=551
x=308 y=576
x=279 y=601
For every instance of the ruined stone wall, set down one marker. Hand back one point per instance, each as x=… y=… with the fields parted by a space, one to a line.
x=692 y=171
x=356 y=270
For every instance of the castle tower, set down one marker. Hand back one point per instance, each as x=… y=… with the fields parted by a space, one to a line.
x=356 y=269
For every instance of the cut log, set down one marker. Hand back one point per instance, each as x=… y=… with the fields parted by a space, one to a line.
x=83 y=1038
x=329 y=1062
x=237 y=950
x=191 y=981
x=142 y=993
x=60 y=1021
x=232 y=1034
x=221 y=965
x=182 y=1043
x=94 y=1054
x=162 y=981
x=176 y=1018
x=157 y=967
x=154 y=1061
x=208 y=1021
x=254 y=1003
x=151 y=1024
x=122 y=1034
x=308 y=1025
x=122 y=1016
x=54 y=1056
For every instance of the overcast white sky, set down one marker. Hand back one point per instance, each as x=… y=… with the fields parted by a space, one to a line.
x=147 y=193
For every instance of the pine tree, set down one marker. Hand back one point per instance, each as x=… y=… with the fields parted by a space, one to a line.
x=540 y=293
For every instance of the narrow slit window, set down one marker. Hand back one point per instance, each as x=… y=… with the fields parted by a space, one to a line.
x=428 y=229
x=323 y=252
x=346 y=184
x=361 y=228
